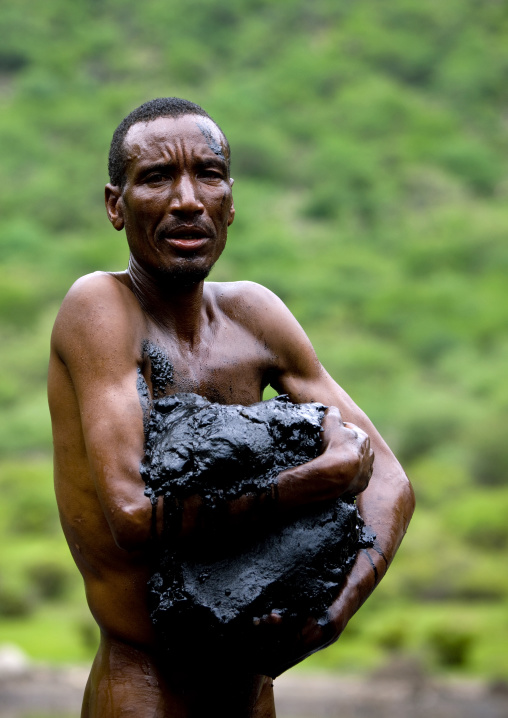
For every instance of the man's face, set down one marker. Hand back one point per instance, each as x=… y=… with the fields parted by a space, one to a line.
x=176 y=203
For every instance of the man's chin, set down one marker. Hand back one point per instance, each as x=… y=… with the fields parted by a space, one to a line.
x=183 y=276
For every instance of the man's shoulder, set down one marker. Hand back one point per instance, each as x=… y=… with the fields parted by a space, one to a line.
x=100 y=303
x=254 y=307
x=245 y=295
x=104 y=290
x=96 y=284
x=260 y=312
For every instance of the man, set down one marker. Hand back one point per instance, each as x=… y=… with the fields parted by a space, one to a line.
x=171 y=191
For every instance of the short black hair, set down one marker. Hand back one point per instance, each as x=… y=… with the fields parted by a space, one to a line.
x=160 y=107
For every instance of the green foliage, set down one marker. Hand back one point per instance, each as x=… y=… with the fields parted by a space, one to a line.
x=369 y=154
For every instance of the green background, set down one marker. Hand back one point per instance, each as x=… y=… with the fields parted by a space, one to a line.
x=369 y=151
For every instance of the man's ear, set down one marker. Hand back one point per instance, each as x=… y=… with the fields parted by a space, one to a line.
x=232 y=210
x=114 y=205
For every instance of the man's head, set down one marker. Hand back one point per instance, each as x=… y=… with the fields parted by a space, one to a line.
x=171 y=190
x=149 y=111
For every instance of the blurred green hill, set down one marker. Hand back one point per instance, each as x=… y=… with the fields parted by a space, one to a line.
x=370 y=157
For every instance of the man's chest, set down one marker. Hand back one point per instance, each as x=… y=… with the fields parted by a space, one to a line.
x=227 y=366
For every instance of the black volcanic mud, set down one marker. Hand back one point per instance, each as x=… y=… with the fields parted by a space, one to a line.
x=211 y=593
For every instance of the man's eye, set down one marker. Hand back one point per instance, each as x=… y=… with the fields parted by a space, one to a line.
x=156 y=177
x=211 y=174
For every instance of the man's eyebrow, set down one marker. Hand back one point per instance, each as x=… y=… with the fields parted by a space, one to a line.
x=213 y=162
x=158 y=167
x=165 y=167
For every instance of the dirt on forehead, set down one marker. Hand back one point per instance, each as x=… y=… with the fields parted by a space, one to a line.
x=166 y=128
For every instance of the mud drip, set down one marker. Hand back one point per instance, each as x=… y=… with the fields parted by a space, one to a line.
x=161 y=368
x=205 y=598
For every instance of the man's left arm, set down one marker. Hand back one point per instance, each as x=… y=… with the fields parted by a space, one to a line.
x=386 y=505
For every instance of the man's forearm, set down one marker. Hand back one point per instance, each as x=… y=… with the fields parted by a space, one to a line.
x=386 y=507
x=343 y=467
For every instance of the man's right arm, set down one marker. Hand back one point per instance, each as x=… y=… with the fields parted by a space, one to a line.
x=98 y=336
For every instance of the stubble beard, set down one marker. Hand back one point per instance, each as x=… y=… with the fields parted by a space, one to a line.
x=185 y=275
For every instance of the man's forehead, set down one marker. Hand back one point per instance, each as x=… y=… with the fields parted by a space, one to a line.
x=164 y=131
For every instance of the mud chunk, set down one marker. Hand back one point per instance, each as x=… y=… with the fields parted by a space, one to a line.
x=213 y=591
x=196 y=446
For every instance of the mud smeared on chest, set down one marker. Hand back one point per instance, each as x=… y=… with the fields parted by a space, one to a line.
x=209 y=592
x=161 y=374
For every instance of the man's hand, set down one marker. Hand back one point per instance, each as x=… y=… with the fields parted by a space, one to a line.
x=343 y=468
x=289 y=647
x=347 y=455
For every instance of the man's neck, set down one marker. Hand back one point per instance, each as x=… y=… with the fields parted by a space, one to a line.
x=175 y=306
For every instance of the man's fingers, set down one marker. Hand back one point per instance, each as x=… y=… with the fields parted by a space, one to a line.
x=365 y=463
x=272 y=619
x=356 y=443
x=331 y=417
x=347 y=454
x=357 y=432
x=332 y=410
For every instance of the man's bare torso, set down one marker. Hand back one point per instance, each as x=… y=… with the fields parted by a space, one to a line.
x=231 y=364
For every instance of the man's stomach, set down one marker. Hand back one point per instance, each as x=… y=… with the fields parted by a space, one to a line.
x=118 y=602
x=115 y=580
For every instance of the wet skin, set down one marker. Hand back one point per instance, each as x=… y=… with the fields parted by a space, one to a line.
x=226 y=342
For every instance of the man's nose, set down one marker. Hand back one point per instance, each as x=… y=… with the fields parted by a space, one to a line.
x=184 y=197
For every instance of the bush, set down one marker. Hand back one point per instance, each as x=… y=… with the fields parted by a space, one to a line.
x=49 y=579
x=15 y=600
x=451 y=646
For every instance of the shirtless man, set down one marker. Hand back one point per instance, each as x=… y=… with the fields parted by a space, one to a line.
x=172 y=193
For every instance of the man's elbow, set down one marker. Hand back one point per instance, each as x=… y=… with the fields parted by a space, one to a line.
x=408 y=495
x=390 y=496
x=403 y=499
x=131 y=526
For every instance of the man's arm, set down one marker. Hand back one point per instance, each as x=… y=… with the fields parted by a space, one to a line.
x=386 y=505
x=96 y=342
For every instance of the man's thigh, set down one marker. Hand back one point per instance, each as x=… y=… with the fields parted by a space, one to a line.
x=125 y=681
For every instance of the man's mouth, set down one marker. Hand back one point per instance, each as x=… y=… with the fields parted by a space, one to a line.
x=187 y=243
x=186 y=238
